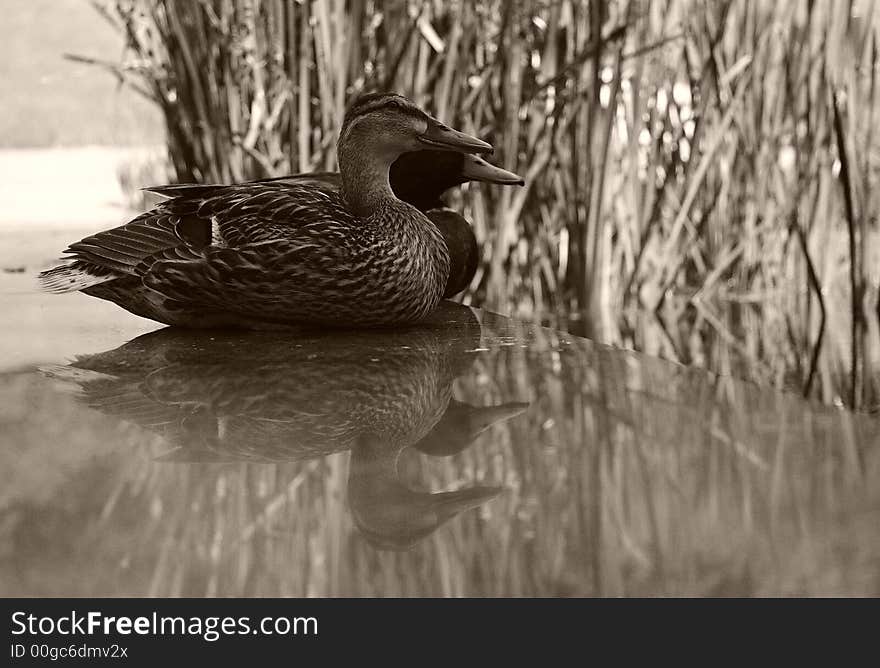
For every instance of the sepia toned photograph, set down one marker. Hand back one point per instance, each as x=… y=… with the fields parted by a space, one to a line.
x=326 y=299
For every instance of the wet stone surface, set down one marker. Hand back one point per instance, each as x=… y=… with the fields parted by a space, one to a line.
x=470 y=456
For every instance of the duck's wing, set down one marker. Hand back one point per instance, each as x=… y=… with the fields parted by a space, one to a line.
x=264 y=212
x=269 y=278
x=196 y=217
x=121 y=248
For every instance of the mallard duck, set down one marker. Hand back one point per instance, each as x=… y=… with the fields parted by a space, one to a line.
x=420 y=178
x=270 y=397
x=423 y=177
x=270 y=254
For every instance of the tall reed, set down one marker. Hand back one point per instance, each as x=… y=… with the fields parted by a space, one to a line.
x=699 y=174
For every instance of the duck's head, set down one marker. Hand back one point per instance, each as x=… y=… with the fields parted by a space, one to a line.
x=462 y=423
x=400 y=518
x=421 y=177
x=389 y=125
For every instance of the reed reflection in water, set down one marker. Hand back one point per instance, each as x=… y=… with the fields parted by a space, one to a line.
x=625 y=475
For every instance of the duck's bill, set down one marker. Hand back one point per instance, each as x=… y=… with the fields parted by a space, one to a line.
x=483 y=417
x=477 y=169
x=439 y=136
x=449 y=504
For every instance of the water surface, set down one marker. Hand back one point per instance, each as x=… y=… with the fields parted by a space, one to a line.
x=470 y=456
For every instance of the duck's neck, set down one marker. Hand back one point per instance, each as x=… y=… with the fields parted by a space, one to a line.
x=365 y=177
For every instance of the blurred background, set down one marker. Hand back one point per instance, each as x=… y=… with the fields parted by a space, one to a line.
x=699 y=174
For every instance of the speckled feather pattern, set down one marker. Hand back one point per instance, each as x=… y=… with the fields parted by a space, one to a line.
x=270 y=253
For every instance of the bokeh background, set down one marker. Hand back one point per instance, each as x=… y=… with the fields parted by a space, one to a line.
x=699 y=173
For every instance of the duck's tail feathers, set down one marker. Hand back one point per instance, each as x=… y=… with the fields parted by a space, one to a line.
x=73 y=276
x=74 y=378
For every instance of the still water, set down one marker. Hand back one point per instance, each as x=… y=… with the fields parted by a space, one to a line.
x=470 y=456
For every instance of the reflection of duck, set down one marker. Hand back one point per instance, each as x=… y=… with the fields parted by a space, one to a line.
x=271 y=397
x=262 y=255
x=392 y=516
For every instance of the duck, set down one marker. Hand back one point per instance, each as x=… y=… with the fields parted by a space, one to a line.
x=275 y=397
x=268 y=255
x=421 y=178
